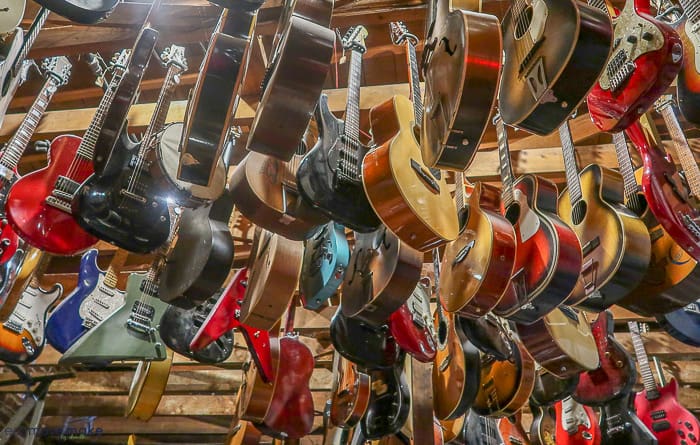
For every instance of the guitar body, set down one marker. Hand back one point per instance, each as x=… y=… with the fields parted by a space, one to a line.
x=411 y=200
x=39 y=223
x=342 y=201
x=477 y=267
x=147 y=388
x=683 y=324
x=389 y=402
x=456 y=369
x=454 y=432
x=65 y=325
x=544 y=426
x=383 y=273
x=688 y=85
x=9 y=241
x=86 y=12
x=462 y=71
x=615 y=242
x=13 y=16
x=620 y=425
x=512 y=430
x=561 y=342
x=22 y=336
x=639 y=70
x=326 y=258
x=16 y=275
x=178 y=326
x=545 y=79
x=615 y=375
x=261 y=196
x=665 y=417
x=113 y=339
x=548 y=253
x=412 y=326
x=366 y=346
x=587 y=432
x=350 y=399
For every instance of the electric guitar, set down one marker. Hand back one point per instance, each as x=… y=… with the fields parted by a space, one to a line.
x=620 y=425
x=124 y=205
x=38 y=205
x=554 y=53
x=548 y=253
x=477 y=267
x=657 y=406
x=646 y=58
x=688 y=85
x=362 y=344
x=86 y=12
x=482 y=430
x=95 y=298
x=11 y=16
x=614 y=241
x=329 y=175
x=410 y=199
x=462 y=67
x=512 y=430
x=57 y=71
x=326 y=258
x=389 y=401
x=350 y=393
x=412 y=326
x=22 y=336
x=576 y=424
x=544 y=425
x=548 y=390
x=683 y=324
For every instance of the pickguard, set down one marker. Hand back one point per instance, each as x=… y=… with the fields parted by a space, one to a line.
x=692 y=30
x=529 y=222
x=539 y=20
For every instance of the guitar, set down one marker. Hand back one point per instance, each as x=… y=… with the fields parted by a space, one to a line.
x=57 y=71
x=482 y=430
x=672 y=275
x=548 y=253
x=272 y=279
x=576 y=424
x=657 y=406
x=350 y=394
x=123 y=204
x=454 y=432
x=22 y=336
x=87 y=12
x=554 y=53
x=225 y=316
x=512 y=430
x=329 y=175
x=38 y=205
x=544 y=425
x=326 y=258
x=615 y=375
x=462 y=66
x=362 y=344
x=147 y=388
x=95 y=298
x=299 y=64
x=382 y=274
x=214 y=99
x=389 y=402
x=683 y=324
x=178 y=326
x=688 y=84
x=548 y=390
x=410 y=199
x=561 y=342
x=412 y=326
x=11 y=16
x=619 y=423
x=645 y=60
x=615 y=259
x=477 y=267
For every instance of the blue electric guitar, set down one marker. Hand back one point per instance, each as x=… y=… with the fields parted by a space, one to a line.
x=683 y=324
x=94 y=299
x=326 y=258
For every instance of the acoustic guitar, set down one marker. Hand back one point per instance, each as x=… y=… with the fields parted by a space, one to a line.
x=548 y=253
x=554 y=53
x=410 y=199
x=576 y=424
x=326 y=259
x=147 y=388
x=614 y=241
x=462 y=67
x=477 y=267
x=350 y=393
x=646 y=58
x=688 y=84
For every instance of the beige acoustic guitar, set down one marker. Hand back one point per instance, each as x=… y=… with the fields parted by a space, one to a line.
x=147 y=387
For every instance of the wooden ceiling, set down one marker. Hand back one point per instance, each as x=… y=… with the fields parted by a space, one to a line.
x=199 y=398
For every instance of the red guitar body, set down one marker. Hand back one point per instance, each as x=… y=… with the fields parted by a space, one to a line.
x=613 y=110
x=9 y=241
x=225 y=316
x=40 y=224
x=670 y=422
x=413 y=338
x=666 y=194
x=584 y=435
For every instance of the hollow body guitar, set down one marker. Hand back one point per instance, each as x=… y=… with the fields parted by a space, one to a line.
x=326 y=258
x=688 y=86
x=412 y=327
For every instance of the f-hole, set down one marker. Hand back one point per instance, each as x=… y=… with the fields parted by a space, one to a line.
x=578 y=213
x=513 y=213
x=524 y=20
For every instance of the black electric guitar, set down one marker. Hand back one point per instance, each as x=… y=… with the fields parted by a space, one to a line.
x=389 y=402
x=620 y=425
x=329 y=177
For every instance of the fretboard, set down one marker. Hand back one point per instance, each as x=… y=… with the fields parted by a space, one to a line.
x=643 y=360
x=29 y=39
x=626 y=168
x=416 y=97
x=16 y=146
x=459 y=190
x=352 y=111
x=570 y=166
x=505 y=166
x=685 y=154
x=160 y=112
x=691 y=9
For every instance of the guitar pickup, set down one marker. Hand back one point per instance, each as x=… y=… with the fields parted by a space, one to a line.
x=134 y=196
x=140 y=327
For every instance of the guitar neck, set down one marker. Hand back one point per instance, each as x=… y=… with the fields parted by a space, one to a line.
x=505 y=165
x=572 y=179
x=643 y=360
x=160 y=112
x=685 y=154
x=352 y=110
x=87 y=145
x=29 y=39
x=16 y=146
x=602 y=5
x=626 y=169
x=459 y=191
x=414 y=81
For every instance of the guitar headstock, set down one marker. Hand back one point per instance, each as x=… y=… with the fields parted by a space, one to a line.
x=58 y=68
x=120 y=59
x=354 y=39
x=174 y=55
x=400 y=34
x=664 y=101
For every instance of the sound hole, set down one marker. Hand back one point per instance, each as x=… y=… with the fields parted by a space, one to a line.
x=638 y=204
x=513 y=213
x=524 y=19
x=578 y=213
x=442 y=332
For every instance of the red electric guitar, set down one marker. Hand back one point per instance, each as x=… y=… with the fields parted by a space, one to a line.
x=412 y=325
x=657 y=406
x=647 y=56
x=39 y=204
x=576 y=424
x=225 y=316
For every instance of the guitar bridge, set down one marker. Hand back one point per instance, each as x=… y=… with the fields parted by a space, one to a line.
x=134 y=196
x=13 y=326
x=619 y=70
x=691 y=225
x=59 y=203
